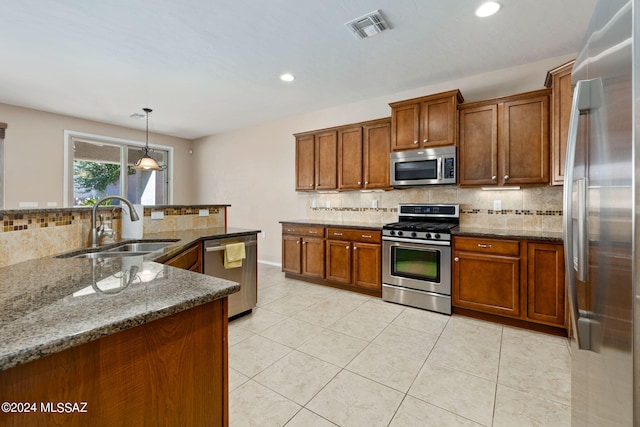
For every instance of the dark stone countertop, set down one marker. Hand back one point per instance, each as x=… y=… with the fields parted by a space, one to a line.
x=336 y=223
x=552 y=236
x=50 y=304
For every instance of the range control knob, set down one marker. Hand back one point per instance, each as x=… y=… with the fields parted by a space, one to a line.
x=414 y=234
x=392 y=233
x=427 y=235
x=437 y=235
x=400 y=233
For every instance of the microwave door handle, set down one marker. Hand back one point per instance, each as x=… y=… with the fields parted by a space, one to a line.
x=440 y=166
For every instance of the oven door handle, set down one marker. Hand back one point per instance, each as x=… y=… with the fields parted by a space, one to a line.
x=417 y=242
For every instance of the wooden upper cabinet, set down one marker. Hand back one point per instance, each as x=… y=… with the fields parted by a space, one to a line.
x=505 y=141
x=478 y=154
x=316 y=161
x=377 y=146
x=305 y=163
x=350 y=158
x=428 y=121
x=559 y=80
x=326 y=160
x=525 y=141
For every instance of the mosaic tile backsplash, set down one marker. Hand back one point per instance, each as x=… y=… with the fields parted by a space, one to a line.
x=537 y=208
x=29 y=234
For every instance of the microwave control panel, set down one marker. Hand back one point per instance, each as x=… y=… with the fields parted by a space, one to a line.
x=449 y=168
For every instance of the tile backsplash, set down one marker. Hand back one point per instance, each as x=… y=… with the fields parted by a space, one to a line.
x=34 y=233
x=536 y=208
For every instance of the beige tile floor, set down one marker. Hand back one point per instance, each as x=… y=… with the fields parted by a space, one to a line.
x=310 y=355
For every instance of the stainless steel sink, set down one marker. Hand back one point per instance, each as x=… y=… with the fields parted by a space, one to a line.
x=110 y=254
x=139 y=247
x=122 y=250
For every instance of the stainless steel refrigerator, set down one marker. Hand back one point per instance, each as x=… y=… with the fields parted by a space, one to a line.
x=601 y=224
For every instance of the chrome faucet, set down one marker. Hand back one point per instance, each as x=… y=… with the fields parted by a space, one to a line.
x=96 y=232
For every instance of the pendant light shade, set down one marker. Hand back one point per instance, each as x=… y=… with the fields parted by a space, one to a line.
x=146 y=162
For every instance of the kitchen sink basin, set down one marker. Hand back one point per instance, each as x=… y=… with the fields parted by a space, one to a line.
x=110 y=254
x=122 y=250
x=139 y=247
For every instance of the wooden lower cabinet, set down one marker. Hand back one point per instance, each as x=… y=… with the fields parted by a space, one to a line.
x=519 y=279
x=348 y=258
x=545 y=283
x=189 y=259
x=303 y=250
x=171 y=371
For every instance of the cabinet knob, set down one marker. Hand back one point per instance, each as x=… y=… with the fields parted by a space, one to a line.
x=304 y=243
x=484 y=245
x=346 y=247
x=366 y=182
x=366 y=236
x=310 y=185
x=506 y=177
x=425 y=140
x=415 y=142
x=359 y=182
x=456 y=259
x=355 y=248
x=298 y=242
x=493 y=178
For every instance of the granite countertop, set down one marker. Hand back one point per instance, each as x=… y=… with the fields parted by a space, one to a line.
x=50 y=304
x=553 y=236
x=336 y=223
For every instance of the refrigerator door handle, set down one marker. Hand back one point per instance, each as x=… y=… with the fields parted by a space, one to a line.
x=586 y=97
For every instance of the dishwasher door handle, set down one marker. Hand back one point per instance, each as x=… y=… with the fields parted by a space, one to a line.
x=221 y=247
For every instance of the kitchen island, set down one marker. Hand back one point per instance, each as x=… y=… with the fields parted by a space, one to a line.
x=114 y=341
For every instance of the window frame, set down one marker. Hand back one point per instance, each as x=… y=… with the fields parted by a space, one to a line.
x=70 y=136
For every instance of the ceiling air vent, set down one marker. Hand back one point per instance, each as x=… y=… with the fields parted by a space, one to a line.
x=368 y=25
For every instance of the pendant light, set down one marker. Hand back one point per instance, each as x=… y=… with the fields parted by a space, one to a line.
x=146 y=162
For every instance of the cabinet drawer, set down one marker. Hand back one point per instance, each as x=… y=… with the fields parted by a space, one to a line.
x=490 y=246
x=354 y=235
x=303 y=230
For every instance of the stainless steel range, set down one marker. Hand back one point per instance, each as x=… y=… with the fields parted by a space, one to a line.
x=416 y=256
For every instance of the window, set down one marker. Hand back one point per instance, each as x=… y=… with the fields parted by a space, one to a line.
x=98 y=166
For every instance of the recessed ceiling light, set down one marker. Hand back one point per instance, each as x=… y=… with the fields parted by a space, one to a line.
x=487 y=9
x=286 y=77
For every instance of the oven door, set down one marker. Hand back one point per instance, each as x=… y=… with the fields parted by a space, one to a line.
x=422 y=266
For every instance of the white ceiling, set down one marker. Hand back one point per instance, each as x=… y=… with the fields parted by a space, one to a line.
x=209 y=66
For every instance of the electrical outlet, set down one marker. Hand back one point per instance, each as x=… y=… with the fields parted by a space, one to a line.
x=374 y=204
x=314 y=203
x=203 y=212
x=28 y=204
x=497 y=205
x=328 y=203
x=157 y=215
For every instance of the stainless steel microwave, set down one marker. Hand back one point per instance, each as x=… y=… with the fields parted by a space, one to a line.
x=426 y=166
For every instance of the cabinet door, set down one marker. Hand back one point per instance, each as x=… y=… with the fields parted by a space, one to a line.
x=405 y=127
x=377 y=146
x=490 y=284
x=291 y=254
x=305 y=163
x=190 y=259
x=326 y=160
x=478 y=154
x=545 y=283
x=313 y=257
x=338 y=268
x=366 y=266
x=525 y=142
x=350 y=158
x=561 y=107
x=437 y=123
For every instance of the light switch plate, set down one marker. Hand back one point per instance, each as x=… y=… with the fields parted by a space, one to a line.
x=157 y=215
x=28 y=204
x=497 y=205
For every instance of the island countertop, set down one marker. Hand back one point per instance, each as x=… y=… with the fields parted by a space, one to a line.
x=51 y=303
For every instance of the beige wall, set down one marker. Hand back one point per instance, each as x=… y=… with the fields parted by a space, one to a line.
x=253 y=169
x=34 y=147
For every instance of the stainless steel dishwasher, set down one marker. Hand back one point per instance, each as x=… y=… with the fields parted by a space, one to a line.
x=244 y=300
